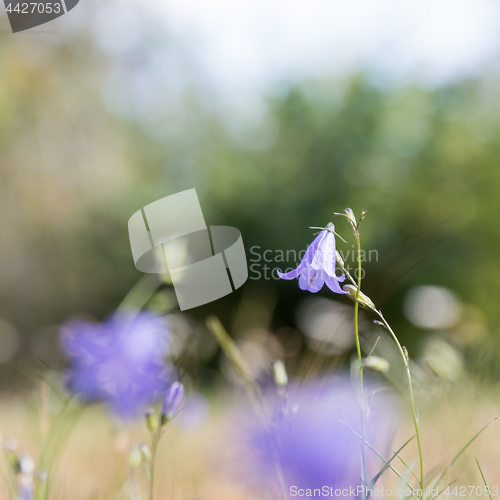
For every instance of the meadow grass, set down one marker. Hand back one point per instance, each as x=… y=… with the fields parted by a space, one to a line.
x=206 y=463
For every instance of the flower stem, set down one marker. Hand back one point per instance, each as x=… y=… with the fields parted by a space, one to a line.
x=154 y=445
x=404 y=355
x=358 y=350
x=402 y=350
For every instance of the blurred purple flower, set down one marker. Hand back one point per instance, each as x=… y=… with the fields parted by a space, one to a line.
x=120 y=362
x=312 y=438
x=172 y=401
x=195 y=411
x=318 y=265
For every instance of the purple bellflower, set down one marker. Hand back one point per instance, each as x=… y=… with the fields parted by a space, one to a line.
x=195 y=412
x=120 y=362
x=171 y=403
x=314 y=440
x=319 y=264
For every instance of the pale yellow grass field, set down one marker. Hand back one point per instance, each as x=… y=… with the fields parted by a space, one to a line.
x=205 y=463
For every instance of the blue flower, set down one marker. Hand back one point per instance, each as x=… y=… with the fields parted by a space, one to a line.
x=313 y=441
x=121 y=362
x=172 y=401
x=319 y=264
x=195 y=412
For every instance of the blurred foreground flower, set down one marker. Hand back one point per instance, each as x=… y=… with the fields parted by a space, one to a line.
x=171 y=402
x=195 y=412
x=319 y=264
x=314 y=441
x=120 y=362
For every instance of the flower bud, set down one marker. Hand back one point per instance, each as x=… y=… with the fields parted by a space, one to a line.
x=351 y=216
x=151 y=420
x=172 y=401
x=363 y=299
x=26 y=464
x=377 y=364
x=135 y=457
x=145 y=452
x=279 y=373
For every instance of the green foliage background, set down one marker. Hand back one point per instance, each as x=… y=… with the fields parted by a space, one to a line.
x=79 y=153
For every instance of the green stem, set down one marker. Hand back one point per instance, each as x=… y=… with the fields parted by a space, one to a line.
x=358 y=350
x=403 y=352
x=154 y=445
x=152 y=472
x=139 y=295
x=53 y=441
x=404 y=355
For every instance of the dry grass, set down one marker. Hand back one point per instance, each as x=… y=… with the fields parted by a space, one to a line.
x=205 y=463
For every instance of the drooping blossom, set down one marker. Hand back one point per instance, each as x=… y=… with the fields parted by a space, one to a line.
x=313 y=439
x=172 y=400
x=319 y=264
x=120 y=362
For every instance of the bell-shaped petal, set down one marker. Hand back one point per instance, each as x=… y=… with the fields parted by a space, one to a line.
x=311 y=280
x=292 y=274
x=318 y=265
x=333 y=284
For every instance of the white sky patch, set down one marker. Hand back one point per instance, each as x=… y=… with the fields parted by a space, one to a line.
x=248 y=44
x=237 y=51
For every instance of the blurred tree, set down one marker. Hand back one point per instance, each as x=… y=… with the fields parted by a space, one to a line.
x=88 y=137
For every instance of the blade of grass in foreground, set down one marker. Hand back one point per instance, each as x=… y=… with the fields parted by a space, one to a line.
x=410 y=469
x=387 y=463
x=251 y=385
x=239 y=364
x=447 y=486
x=7 y=471
x=433 y=474
x=458 y=455
x=371 y=484
x=482 y=475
